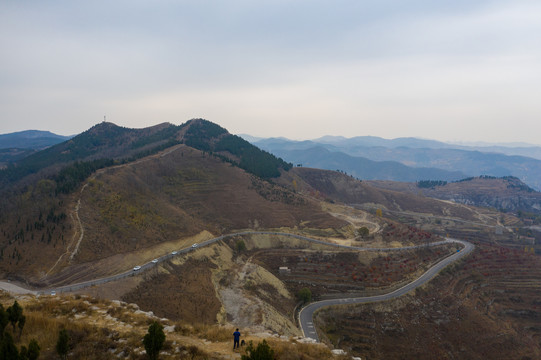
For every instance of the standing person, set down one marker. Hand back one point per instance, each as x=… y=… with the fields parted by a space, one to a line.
x=236 y=339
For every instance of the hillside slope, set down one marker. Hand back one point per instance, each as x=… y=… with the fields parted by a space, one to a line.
x=95 y=208
x=507 y=193
x=343 y=188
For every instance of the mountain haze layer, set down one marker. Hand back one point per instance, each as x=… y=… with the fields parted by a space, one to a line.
x=406 y=159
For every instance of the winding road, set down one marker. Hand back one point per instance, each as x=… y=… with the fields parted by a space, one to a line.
x=306 y=314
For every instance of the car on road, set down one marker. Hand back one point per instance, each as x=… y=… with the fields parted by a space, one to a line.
x=137 y=268
x=53 y=293
x=174 y=252
x=155 y=261
x=194 y=245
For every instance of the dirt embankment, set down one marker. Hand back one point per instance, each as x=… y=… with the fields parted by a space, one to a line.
x=216 y=286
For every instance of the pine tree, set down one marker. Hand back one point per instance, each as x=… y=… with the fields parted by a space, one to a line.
x=8 y=350
x=154 y=340
x=62 y=345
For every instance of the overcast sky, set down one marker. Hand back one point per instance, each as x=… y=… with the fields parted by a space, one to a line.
x=448 y=70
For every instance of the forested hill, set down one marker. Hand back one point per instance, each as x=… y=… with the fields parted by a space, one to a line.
x=106 y=144
x=97 y=147
x=207 y=136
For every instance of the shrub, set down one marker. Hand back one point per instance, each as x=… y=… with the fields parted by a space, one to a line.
x=305 y=295
x=261 y=352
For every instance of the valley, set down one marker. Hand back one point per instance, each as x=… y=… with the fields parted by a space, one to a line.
x=193 y=231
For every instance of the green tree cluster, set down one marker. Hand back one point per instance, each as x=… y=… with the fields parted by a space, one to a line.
x=8 y=350
x=427 y=184
x=207 y=136
x=262 y=351
x=240 y=246
x=305 y=295
x=363 y=231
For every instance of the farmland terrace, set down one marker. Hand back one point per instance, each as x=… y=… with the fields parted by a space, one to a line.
x=486 y=306
x=334 y=274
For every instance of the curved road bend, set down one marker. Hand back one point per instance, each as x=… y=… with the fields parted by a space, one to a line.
x=77 y=286
x=307 y=313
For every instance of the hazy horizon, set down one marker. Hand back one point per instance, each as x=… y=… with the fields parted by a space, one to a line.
x=255 y=138
x=451 y=71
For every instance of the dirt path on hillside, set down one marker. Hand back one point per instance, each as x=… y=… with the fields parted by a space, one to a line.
x=79 y=230
x=73 y=246
x=357 y=221
x=485 y=219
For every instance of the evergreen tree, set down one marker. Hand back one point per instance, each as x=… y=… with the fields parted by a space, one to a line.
x=154 y=340
x=32 y=352
x=4 y=320
x=22 y=321
x=62 y=345
x=8 y=350
x=15 y=312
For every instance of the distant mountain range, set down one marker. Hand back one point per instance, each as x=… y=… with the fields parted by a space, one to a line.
x=364 y=157
x=407 y=159
x=18 y=145
x=30 y=139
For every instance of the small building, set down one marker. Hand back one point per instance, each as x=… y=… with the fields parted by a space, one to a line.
x=528 y=239
x=284 y=270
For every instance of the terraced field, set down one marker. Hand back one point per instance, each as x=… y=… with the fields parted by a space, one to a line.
x=486 y=307
x=331 y=274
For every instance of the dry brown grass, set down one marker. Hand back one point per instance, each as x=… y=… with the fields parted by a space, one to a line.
x=91 y=337
x=101 y=329
x=214 y=333
x=293 y=350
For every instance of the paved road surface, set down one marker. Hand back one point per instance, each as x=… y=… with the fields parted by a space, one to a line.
x=77 y=286
x=15 y=289
x=306 y=314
